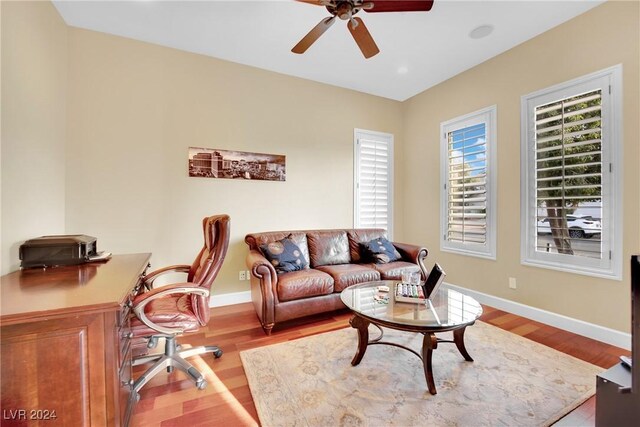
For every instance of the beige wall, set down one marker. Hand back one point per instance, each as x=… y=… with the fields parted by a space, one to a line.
x=34 y=120
x=135 y=108
x=602 y=37
x=118 y=126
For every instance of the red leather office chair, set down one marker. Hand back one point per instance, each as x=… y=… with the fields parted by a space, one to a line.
x=169 y=311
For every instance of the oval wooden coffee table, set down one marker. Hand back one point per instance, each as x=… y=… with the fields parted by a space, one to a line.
x=448 y=310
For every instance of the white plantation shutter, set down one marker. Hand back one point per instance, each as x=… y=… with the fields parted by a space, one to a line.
x=468 y=184
x=373 y=180
x=571 y=206
x=568 y=141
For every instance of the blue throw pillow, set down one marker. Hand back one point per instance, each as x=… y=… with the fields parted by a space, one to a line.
x=284 y=255
x=380 y=251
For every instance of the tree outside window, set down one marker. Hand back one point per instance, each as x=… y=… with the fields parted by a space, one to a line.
x=569 y=169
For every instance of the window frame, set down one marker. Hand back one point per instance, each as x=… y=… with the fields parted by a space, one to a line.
x=382 y=137
x=488 y=116
x=609 y=81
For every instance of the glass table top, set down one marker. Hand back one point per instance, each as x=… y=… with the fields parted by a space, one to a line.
x=448 y=308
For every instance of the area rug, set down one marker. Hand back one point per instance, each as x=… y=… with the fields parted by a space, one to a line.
x=513 y=381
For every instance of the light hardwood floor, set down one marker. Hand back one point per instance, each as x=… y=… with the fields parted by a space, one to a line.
x=172 y=400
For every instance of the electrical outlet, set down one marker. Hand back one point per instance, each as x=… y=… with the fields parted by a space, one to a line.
x=242 y=275
x=512 y=283
x=248 y=275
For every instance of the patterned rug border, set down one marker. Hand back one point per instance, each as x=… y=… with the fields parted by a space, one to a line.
x=551 y=420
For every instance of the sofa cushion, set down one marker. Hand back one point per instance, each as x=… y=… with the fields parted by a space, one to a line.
x=303 y=284
x=284 y=255
x=393 y=270
x=361 y=235
x=328 y=247
x=350 y=274
x=380 y=251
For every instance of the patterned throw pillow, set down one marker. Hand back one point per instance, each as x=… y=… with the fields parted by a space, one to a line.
x=380 y=251
x=284 y=255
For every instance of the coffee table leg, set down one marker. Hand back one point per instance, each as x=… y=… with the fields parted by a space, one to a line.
x=429 y=343
x=362 y=326
x=458 y=338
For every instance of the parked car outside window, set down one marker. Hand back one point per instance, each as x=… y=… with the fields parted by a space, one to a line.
x=579 y=226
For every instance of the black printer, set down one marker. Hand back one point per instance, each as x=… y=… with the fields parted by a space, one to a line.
x=48 y=251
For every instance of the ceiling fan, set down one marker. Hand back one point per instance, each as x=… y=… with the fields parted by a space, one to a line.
x=346 y=9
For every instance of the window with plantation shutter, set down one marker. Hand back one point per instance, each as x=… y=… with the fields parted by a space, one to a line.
x=468 y=184
x=569 y=171
x=373 y=180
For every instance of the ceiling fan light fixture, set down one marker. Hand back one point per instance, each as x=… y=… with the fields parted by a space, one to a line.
x=481 y=31
x=346 y=9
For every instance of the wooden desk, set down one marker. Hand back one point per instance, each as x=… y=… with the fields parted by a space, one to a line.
x=65 y=343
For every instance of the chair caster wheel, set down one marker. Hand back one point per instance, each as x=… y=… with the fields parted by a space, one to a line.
x=201 y=385
x=217 y=354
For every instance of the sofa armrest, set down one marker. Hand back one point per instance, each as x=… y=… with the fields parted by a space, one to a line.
x=261 y=268
x=411 y=253
x=264 y=280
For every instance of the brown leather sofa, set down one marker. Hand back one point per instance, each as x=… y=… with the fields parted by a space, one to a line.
x=335 y=262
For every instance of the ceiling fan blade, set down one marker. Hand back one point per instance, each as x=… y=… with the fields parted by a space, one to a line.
x=400 y=6
x=362 y=36
x=313 y=35
x=316 y=2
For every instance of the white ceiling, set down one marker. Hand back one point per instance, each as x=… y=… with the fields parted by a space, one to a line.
x=431 y=46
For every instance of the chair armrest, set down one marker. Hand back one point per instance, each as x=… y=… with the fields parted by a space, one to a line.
x=148 y=279
x=141 y=301
x=411 y=253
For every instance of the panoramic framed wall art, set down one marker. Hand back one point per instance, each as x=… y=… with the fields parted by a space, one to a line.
x=216 y=163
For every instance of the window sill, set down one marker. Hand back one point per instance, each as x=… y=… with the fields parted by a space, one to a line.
x=468 y=252
x=582 y=270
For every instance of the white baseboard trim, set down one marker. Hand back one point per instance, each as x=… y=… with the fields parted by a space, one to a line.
x=230 y=299
x=580 y=327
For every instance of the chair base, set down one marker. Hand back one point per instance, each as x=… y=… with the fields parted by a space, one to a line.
x=172 y=357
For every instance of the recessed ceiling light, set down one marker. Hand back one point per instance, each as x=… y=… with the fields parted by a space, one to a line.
x=481 y=31
x=403 y=70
